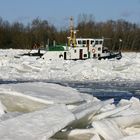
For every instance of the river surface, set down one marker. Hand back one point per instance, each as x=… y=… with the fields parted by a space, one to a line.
x=106 y=90
x=102 y=90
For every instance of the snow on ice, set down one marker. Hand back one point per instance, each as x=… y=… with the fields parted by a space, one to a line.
x=30 y=109
x=28 y=68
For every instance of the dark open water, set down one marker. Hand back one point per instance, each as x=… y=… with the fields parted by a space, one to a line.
x=107 y=90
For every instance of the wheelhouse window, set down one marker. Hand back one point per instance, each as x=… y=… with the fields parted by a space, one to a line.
x=92 y=42
x=74 y=51
x=79 y=42
x=101 y=42
x=84 y=42
x=96 y=42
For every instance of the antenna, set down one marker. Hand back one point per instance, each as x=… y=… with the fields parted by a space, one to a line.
x=71 y=24
x=72 y=38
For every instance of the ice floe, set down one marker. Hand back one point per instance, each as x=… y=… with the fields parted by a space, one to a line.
x=36 y=125
x=31 y=96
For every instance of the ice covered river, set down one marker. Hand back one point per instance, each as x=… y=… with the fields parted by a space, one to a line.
x=36 y=97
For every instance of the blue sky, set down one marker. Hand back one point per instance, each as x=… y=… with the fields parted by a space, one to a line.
x=59 y=11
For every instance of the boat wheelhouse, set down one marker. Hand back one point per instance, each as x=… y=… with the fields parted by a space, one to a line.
x=94 y=46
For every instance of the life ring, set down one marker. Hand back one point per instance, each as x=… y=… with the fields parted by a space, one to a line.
x=93 y=50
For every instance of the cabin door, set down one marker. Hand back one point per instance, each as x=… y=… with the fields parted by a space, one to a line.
x=65 y=55
x=81 y=54
x=88 y=45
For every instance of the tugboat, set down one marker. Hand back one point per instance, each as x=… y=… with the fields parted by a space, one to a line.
x=76 y=49
x=80 y=49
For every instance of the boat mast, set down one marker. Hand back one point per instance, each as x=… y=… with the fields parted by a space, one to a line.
x=72 y=38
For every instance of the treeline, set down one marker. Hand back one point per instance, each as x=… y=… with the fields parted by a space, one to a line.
x=118 y=34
